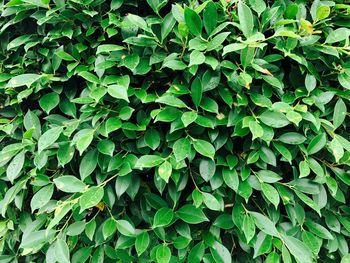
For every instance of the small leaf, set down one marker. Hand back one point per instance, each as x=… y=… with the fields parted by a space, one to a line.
x=15 y=166
x=210 y=17
x=293 y=138
x=182 y=149
x=191 y=215
x=246 y=20
x=91 y=198
x=231 y=178
x=148 y=161
x=142 y=242
x=69 y=184
x=23 y=80
x=193 y=21
x=274 y=119
x=62 y=251
x=204 y=148
x=297 y=249
x=248 y=228
x=163 y=217
x=42 y=197
x=163 y=254
x=49 y=101
x=118 y=91
x=196 y=91
x=125 y=228
x=165 y=170
x=264 y=224
x=109 y=227
x=188 y=117
x=256 y=130
x=317 y=143
x=271 y=194
x=48 y=138
x=339 y=113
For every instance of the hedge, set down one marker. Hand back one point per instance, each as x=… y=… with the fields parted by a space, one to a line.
x=174 y=131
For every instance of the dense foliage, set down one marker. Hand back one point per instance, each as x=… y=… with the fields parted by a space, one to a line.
x=174 y=131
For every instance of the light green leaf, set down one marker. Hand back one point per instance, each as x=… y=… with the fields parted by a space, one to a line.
x=204 y=148
x=163 y=217
x=69 y=184
x=264 y=224
x=23 y=80
x=49 y=138
x=246 y=19
x=191 y=215
x=142 y=242
x=91 y=198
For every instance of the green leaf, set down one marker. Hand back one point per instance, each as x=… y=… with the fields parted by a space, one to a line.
x=148 y=161
x=310 y=82
x=91 y=198
x=15 y=166
x=317 y=143
x=142 y=242
x=246 y=19
x=152 y=139
x=188 y=117
x=193 y=21
x=337 y=35
x=220 y=253
x=233 y=47
x=107 y=48
x=204 y=148
x=293 y=138
x=196 y=58
x=171 y=101
x=197 y=252
x=336 y=149
x=106 y=147
x=62 y=251
x=69 y=184
x=191 y=215
x=109 y=227
x=248 y=228
x=271 y=194
x=196 y=91
x=163 y=254
x=88 y=164
x=264 y=224
x=181 y=149
x=231 y=178
x=318 y=230
x=210 y=17
x=125 y=228
x=163 y=217
x=298 y=249
x=23 y=80
x=167 y=26
x=118 y=91
x=211 y=202
x=308 y=201
x=49 y=138
x=323 y=12
x=49 y=101
x=268 y=176
x=339 y=113
x=42 y=197
x=165 y=171
x=256 y=130
x=274 y=119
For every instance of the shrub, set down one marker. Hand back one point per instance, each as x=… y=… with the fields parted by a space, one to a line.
x=174 y=131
